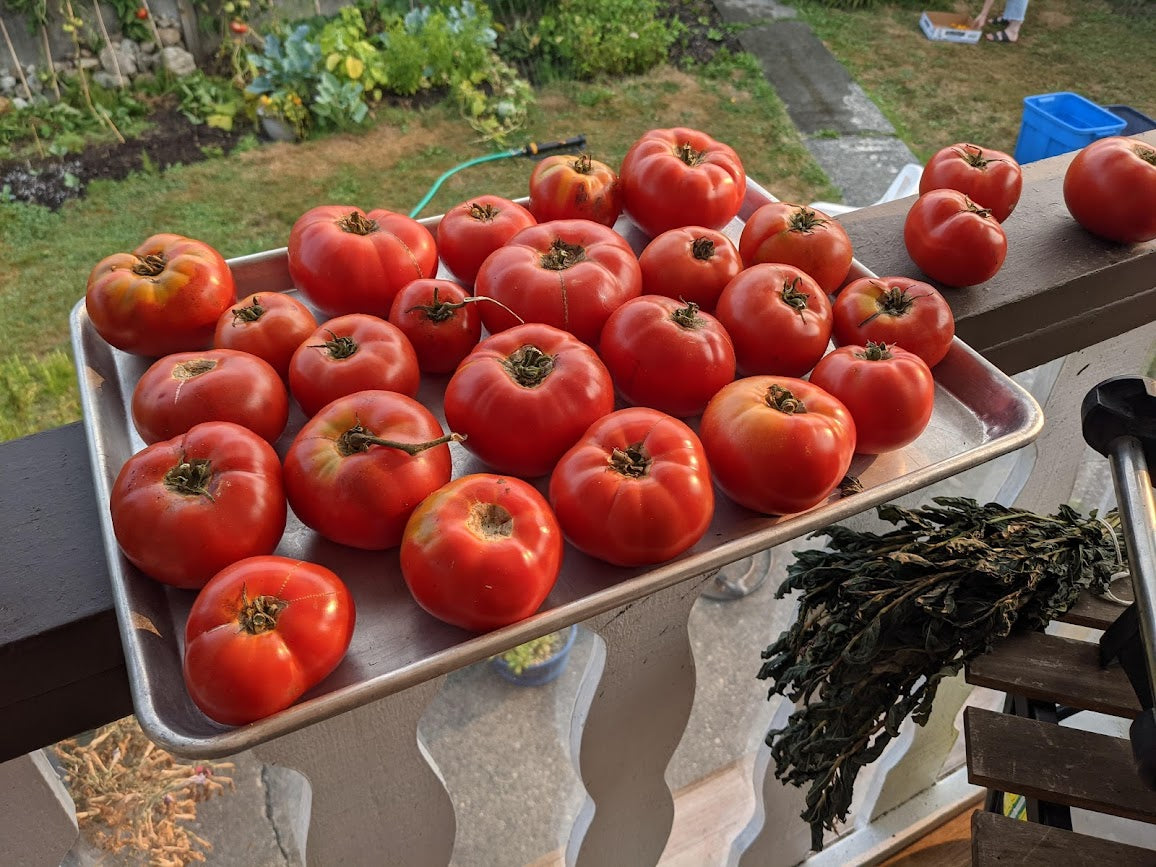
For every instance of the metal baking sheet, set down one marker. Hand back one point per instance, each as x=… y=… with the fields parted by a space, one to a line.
x=979 y=414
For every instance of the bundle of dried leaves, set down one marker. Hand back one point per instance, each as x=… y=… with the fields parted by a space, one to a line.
x=883 y=618
x=131 y=794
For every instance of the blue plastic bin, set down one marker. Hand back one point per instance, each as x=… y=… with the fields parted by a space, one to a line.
x=1057 y=123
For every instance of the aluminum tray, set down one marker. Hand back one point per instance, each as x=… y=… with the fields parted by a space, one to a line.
x=979 y=414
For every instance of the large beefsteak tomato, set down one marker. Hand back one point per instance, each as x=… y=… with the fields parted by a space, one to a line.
x=184 y=509
x=270 y=325
x=989 y=177
x=471 y=231
x=571 y=274
x=1110 y=189
x=692 y=263
x=262 y=632
x=894 y=310
x=635 y=490
x=482 y=552
x=681 y=177
x=575 y=188
x=954 y=240
x=787 y=234
x=525 y=395
x=165 y=296
x=346 y=260
x=357 y=469
x=777 y=445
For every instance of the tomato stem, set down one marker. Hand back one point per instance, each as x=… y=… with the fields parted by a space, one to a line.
x=702 y=249
x=582 y=165
x=190 y=478
x=358 y=224
x=633 y=461
x=437 y=310
x=562 y=255
x=687 y=317
x=151 y=265
x=976 y=208
x=486 y=213
x=260 y=614
x=973 y=156
x=688 y=154
x=1144 y=152
x=805 y=220
x=249 y=313
x=794 y=298
x=875 y=352
x=338 y=348
x=784 y=400
x=528 y=365
x=358 y=439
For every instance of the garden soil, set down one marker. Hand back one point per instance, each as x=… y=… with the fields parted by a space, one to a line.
x=172 y=139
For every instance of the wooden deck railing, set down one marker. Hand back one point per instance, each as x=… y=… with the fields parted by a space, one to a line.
x=1061 y=295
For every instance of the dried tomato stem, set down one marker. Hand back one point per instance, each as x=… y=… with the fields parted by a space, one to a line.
x=438 y=310
x=563 y=255
x=687 y=316
x=688 y=154
x=633 y=461
x=358 y=224
x=784 y=400
x=190 y=477
x=260 y=614
x=702 y=249
x=359 y=439
x=483 y=213
x=582 y=165
x=250 y=313
x=529 y=365
x=338 y=347
x=805 y=220
x=793 y=298
x=151 y=265
x=875 y=352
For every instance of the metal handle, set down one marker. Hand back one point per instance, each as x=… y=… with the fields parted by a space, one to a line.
x=1138 y=521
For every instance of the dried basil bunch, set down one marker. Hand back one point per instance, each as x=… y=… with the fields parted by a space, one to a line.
x=885 y=617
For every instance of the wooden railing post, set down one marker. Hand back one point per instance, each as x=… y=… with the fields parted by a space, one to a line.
x=375 y=799
x=37 y=816
x=638 y=709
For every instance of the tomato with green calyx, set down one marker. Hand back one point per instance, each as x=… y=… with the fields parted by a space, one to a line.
x=896 y=311
x=575 y=188
x=262 y=632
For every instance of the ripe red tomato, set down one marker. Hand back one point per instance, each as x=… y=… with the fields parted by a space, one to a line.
x=666 y=354
x=691 y=263
x=184 y=509
x=990 y=178
x=471 y=231
x=888 y=391
x=188 y=388
x=441 y=321
x=571 y=274
x=349 y=473
x=346 y=260
x=141 y=13
x=261 y=633
x=681 y=177
x=778 y=318
x=777 y=445
x=165 y=296
x=350 y=354
x=953 y=240
x=783 y=233
x=482 y=552
x=270 y=325
x=239 y=27
x=525 y=395
x=635 y=490
x=896 y=311
x=1110 y=189
x=575 y=188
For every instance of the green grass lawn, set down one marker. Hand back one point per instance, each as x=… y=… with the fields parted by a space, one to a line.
x=939 y=93
x=248 y=201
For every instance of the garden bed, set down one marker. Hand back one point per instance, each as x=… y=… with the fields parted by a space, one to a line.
x=172 y=139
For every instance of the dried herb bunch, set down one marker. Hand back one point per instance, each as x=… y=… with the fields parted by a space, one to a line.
x=883 y=618
x=131 y=794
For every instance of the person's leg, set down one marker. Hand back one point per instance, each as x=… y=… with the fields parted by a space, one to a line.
x=1014 y=13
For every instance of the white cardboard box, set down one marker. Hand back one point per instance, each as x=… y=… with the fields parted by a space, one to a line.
x=948 y=27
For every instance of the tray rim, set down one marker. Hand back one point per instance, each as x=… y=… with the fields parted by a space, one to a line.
x=478 y=647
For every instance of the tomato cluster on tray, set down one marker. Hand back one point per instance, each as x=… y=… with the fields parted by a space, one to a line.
x=610 y=395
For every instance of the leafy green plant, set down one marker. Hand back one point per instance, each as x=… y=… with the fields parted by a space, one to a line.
x=126 y=16
x=349 y=53
x=587 y=38
x=209 y=100
x=339 y=104
x=533 y=652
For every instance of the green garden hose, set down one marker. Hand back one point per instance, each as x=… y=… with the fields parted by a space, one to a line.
x=530 y=150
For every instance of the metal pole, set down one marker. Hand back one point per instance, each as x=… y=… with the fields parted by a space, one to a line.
x=1138 y=521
